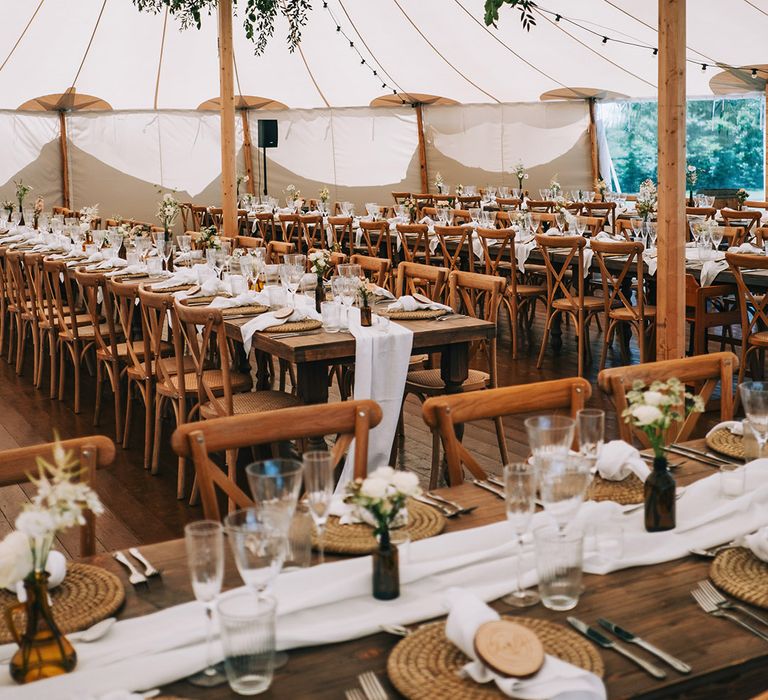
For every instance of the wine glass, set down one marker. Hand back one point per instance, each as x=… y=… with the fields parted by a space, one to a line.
x=716 y=235
x=205 y=558
x=217 y=257
x=520 y=497
x=291 y=272
x=98 y=237
x=754 y=396
x=563 y=482
x=318 y=484
x=591 y=425
x=549 y=435
x=185 y=243
x=275 y=487
x=168 y=254
x=561 y=221
x=581 y=225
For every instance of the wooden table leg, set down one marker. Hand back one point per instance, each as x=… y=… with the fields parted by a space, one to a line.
x=312 y=386
x=454 y=370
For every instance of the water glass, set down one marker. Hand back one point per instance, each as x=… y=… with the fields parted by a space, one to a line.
x=520 y=482
x=331 y=312
x=563 y=483
x=258 y=547
x=318 y=486
x=754 y=396
x=275 y=485
x=559 y=557
x=299 y=552
x=751 y=448
x=733 y=480
x=591 y=424
x=248 y=638
x=549 y=434
x=154 y=265
x=400 y=538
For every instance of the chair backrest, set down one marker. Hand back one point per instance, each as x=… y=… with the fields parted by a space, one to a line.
x=540 y=205
x=756 y=204
x=345 y=419
x=704 y=370
x=498 y=250
x=761 y=236
x=613 y=283
x=706 y=212
x=249 y=242
x=400 y=197
x=604 y=210
x=312 y=231
x=454 y=240
x=424 y=279
x=94 y=452
x=414 y=241
x=33 y=273
x=375 y=269
x=469 y=202
x=558 y=285
x=341 y=231
x=425 y=199
x=753 y=304
x=265 y=225
x=290 y=225
x=217 y=216
x=734 y=235
x=17 y=283
x=58 y=288
x=98 y=304
x=594 y=224
x=377 y=239
x=277 y=249
x=125 y=296
x=624 y=228
x=199 y=216
x=507 y=203
x=443 y=413
x=460 y=216
x=157 y=329
x=751 y=217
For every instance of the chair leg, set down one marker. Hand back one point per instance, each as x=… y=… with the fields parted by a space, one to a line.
x=501 y=440
x=118 y=398
x=434 y=472
x=607 y=340
x=149 y=404
x=52 y=349
x=19 y=344
x=76 y=358
x=62 y=361
x=544 y=341
x=157 y=434
x=99 y=392
x=128 y=414
x=181 y=474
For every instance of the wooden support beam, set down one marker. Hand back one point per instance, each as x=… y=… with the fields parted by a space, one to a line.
x=672 y=226
x=64 y=158
x=227 y=116
x=593 y=143
x=765 y=141
x=422 y=149
x=247 y=153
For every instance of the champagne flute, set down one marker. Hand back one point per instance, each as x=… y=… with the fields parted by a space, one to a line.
x=563 y=482
x=205 y=557
x=318 y=484
x=591 y=425
x=520 y=499
x=754 y=396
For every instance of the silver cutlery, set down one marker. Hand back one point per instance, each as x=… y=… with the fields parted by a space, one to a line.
x=712 y=552
x=149 y=570
x=278 y=336
x=488 y=487
x=354 y=694
x=723 y=603
x=631 y=509
x=447 y=512
x=372 y=686
x=627 y=636
x=136 y=577
x=397 y=630
x=460 y=508
x=493 y=479
x=696 y=458
x=708 y=455
x=601 y=640
x=711 y=609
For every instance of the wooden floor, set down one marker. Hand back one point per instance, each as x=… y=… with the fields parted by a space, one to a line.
x=142 y=508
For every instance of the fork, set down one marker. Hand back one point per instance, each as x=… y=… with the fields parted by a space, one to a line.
x=724 y=604
x=711 y=609
x=354 y=694
x=135 y=576
x=372 y=686
x=149 y=570
x=459 y=508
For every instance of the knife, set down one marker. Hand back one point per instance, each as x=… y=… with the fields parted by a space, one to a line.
x=601 y=640
x=485 y=485
x=627 y=636
x=708 y=455
x=694 y=457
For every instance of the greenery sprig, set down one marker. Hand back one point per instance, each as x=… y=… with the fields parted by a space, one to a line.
x=526 y=8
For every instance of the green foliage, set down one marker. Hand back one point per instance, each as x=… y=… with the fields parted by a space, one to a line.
x=724 y=140
x=258 y=16
x=526 y=8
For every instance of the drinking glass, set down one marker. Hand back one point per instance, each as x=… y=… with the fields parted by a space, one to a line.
x=733 y=479
x=330 y=312
x=520 y=497
x=591 y=424
x=581 y=225
x=185 y=242
x=549 y=435
x=299 y=548
x=716 y=235
x=474 y=214
x=205 y=557
x=559 y=557
x=248 y=638
x=98 y=238
x=318 y=487
x=350 y=270
x=168 y=254
x=754 y=396
x=275 y=485
x=561 y=221
x=291 y=272
x=563 y=482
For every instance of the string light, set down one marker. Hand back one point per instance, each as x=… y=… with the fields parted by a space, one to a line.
x=605 y=39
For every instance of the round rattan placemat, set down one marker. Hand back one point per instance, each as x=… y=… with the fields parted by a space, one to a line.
x=625 y=492
x=725 y=442
x=170 y=290
x=254 y=309
x=86 y=595
x=295 y=326
x=420 y=315
x=423 y=521
x=741 y=574
x=425 y=665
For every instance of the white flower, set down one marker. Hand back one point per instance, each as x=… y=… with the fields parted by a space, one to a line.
x=406 y=482
x=646 y=415
x=35 y=523
x=374 y=488
x=653 y=398
x=15 y=558
x=383 y=473
x=525 y=177
x=691 y=168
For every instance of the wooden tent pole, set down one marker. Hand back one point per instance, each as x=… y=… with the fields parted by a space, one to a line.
x=227 y=98
x=422 y=149
x=765 y=141
x=64 y=158
x=250 y=185
x=670 y=304
x=593 y=142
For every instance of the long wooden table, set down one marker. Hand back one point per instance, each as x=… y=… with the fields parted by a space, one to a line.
x=653 y=602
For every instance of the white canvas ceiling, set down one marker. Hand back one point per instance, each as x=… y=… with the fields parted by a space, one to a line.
x=437 y=47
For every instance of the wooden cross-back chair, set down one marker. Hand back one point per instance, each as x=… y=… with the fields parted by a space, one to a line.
x=761 y=236
x=5 y=325
x=425 y=199
x=264 y=225
x=706 y=212
x=347 y=420
x=414 y=242
x=93 y=452
x=277 y=249
x=617 y=293
x=312 y=231
x=217 y=217
x=443 y=413
x=400 y=197
x=249 y=242
x=428 y=280
x=738 y=215
x=455 y=241
x=753 y=307
x=469 y=202
x=185 y=209
x=756 y=204
x=500 y=260
x=540 y=206
x=593 y=224
x=460 y=216
x=604 y=210
x=443 y=200
x=376 y=242
x=45 y=318
x=562 y=299
x=341 y=232
x=22 y=310
x=703 y=372
x=508 y=203
x=734 y=235
x=290 y=227
x=198 y=216
x=375 y=269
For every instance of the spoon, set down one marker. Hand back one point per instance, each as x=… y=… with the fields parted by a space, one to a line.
x=397 y=630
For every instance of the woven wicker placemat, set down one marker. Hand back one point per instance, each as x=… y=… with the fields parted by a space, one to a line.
x=625 y=492
x=86 y=595
x=741 y=574
x=295 y=326
x=425 y=665
x=725 y=442
x=198 y=301
x=133 y=276
x=254 y=309
x=423 y=521
x=421 y=314
x=170 y=290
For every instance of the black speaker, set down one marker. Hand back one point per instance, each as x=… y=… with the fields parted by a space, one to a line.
x=267 y=133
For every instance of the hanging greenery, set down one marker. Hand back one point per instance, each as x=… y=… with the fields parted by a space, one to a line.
x=258 y=16
x=526 y=8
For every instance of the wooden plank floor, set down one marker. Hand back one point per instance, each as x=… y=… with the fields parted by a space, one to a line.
x=142 y=508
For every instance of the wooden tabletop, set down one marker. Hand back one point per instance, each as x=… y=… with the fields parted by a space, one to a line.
x=653 y=602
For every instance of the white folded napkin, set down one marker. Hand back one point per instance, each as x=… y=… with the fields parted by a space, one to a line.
x=523 y=251
x=383 y=293
x=244 y=299
x=130 y=270
x=556 y=679
x=618 y=459
x=710 y=270
x=757 y=543
x=651 y=259
x=736 y=427
x=212 y=286
x=408 y=303
x=426 y=220
x=107 y=264
x=302 y=312
x=177 y=279
x=747 y=248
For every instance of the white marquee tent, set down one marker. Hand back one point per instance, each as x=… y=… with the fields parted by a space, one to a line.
x=154 y=78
